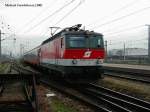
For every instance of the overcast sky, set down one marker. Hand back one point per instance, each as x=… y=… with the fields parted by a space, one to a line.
x=32 y=22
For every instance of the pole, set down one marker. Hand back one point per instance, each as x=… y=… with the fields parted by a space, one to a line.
x=149 y=43
x=0 y=43
x=20 y=50
x=124 y=52
x=106 y=50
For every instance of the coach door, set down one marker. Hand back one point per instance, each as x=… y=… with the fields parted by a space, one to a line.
x=56 y=52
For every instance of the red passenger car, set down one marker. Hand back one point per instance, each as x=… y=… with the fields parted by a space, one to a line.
x=73 y=52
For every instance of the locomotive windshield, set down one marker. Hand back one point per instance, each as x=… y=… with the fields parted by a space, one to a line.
x=81 y=41
x=76 y=42
x=95 y=41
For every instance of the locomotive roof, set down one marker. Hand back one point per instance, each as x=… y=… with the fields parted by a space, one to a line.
x=64 y=32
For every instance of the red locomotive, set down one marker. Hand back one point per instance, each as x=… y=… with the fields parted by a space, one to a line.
x=73 y=53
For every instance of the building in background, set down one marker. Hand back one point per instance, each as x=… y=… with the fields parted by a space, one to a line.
x=128 y=52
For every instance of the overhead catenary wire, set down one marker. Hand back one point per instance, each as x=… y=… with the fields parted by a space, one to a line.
x=55 y=12
x=37 y=16
x=124 y=30
x=116 y=11
x=43 y=34
x=12 y=34
x=120 y=36
x=81 y=1
x=122 y=17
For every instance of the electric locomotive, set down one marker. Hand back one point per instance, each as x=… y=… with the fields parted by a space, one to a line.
x=74 y=53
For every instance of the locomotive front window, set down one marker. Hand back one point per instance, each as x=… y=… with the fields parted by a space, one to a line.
x=76 y=42
x=84 y=41
x=95 y=42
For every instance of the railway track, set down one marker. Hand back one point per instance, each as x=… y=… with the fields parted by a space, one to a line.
x=130 y=77
x=102 y=99
x=74 y=94
x=140 y=76
x=15 y=106
x=26 y=90
x=21 y=70
x=115 y=100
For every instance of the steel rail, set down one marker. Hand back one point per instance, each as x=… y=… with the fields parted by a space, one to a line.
x=31 y=98
x=22 y=70
x=102 y=100
x=128 y=77
x=15 y=106
x=132 y=74
x=27 y=77
x=138 y=102
x=118 y=101
x=76 y=96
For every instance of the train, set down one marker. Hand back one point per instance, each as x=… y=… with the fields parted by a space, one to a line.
x=73 y=54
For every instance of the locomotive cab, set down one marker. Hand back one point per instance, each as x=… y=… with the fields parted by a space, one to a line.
x=84 y=46
x=83 y=55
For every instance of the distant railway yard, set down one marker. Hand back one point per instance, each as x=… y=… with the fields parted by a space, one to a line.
x=24 y=89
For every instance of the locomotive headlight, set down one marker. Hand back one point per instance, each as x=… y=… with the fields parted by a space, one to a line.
x=74 y=61
x=99 y=61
